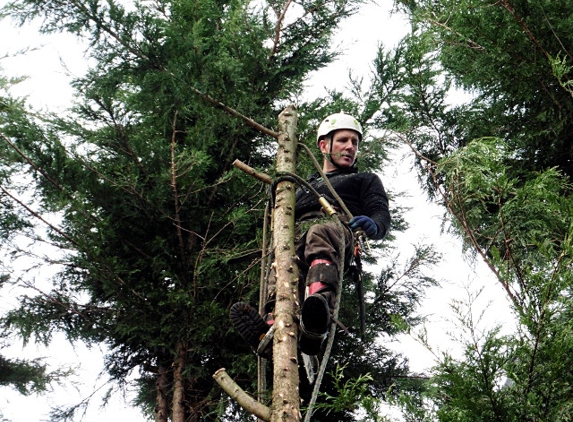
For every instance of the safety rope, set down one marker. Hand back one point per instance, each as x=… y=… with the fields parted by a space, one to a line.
x=262 y=362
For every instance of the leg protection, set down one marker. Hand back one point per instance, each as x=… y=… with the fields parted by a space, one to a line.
x=321 y=283
x=322 y=278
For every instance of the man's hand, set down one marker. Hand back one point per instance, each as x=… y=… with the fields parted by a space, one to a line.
x=367 y=225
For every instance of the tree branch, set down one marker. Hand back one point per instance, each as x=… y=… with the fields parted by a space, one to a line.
x=249 y=170
x=235 y=113
x=29 y=161
x=467 y=230
x=278 y=28
x=176 y=203
x=245 y=401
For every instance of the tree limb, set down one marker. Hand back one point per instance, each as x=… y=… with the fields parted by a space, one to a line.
x=235 y=113
x=249 y=170
x=245 y=401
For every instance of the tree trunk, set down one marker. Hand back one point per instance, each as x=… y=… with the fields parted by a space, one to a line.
x=179 y=384
x=162 y=409
x=285 y=403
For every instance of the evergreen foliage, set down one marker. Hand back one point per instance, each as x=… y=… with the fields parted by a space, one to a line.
x=500 y=163
x=26 y=377
x=155 y=233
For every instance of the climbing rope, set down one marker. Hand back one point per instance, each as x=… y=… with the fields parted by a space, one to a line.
x=262 y=362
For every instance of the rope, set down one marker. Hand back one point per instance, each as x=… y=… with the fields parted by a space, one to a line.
x=327 y=182
x=261 y=362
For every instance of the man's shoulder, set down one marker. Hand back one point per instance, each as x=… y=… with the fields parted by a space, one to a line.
x=365 y=175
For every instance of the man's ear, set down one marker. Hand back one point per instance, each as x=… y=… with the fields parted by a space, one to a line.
x=323 y=145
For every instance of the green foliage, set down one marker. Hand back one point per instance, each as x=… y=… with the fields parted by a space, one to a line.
x=505 y=54
x=500 y=162
x=26 y=377
x=350 y=393
x=524 y=227
x=154 y=233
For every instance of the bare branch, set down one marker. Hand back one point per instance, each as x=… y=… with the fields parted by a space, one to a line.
x=235 y=113
x=176 y=204
x=278 y=28
x=249 y=170
x=245 y=401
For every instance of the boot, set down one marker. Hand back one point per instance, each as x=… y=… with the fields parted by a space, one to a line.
x=253 y=328
x=315 y=313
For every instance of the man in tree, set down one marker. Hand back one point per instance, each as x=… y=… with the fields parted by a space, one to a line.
x=322 y=243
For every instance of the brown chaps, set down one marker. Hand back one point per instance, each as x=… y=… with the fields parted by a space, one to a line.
x=321 y=238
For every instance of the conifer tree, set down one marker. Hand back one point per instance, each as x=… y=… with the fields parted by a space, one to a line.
x=26 y=376
x=501 y=164
x=157 y=234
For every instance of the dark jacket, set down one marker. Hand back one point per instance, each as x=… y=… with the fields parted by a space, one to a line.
x=362 y=193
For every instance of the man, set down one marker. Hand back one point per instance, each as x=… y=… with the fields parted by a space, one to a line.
x=320 y=241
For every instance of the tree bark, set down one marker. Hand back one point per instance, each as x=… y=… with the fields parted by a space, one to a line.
x=179 y=384
x=285 y=398
x=162 y=409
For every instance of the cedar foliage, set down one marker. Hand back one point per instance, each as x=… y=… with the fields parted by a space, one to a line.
x=500 y=163
x=155 y=233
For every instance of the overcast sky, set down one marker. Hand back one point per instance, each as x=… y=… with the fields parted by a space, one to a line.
x=49 y=68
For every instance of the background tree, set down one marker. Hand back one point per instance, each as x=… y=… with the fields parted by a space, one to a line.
x=500 y=163
x=26 y=376
x=156 y=233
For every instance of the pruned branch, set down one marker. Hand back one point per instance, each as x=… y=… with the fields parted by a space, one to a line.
x=245 y=401
x=249 y=170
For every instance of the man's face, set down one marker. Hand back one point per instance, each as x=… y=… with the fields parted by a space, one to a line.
x=344 y=148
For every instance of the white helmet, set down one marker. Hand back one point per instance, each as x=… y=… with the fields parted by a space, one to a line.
x=338 y=121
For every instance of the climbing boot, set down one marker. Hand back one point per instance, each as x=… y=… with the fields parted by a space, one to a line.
x=314 y=323
x=257 y=332
x=321 y=282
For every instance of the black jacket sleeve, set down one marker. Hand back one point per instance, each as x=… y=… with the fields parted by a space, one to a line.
x=375 y=204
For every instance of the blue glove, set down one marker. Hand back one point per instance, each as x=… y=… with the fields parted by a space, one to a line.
x=367 y=225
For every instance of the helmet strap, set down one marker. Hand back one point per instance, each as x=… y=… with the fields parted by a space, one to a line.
x=330 y=138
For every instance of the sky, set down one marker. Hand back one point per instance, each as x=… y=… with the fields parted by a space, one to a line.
x=57 y=57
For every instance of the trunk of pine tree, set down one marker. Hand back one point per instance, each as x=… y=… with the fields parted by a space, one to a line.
x=285 y=398
x=162 y=408
x=179 y=384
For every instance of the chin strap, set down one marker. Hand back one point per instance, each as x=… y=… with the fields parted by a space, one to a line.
x=329 y=154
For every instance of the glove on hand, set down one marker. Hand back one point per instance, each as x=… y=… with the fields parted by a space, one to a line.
x=365 y=223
